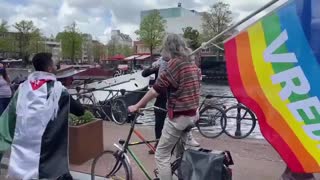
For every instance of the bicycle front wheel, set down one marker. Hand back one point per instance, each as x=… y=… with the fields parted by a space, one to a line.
x=212 y=122
x=110 y=165
x=240 y=122
x=119 y=111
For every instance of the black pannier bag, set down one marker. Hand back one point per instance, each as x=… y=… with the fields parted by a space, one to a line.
x=203 y=164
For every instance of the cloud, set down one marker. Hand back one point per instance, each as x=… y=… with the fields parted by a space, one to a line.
x=99 y=17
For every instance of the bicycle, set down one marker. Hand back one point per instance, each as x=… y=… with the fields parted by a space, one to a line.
x=119 y=166
x=238 y=116
x=212 y=121
x=117 y=106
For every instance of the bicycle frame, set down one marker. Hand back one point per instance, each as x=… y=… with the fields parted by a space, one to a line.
x=124 y=148
x=112 y=94
x=204 y=103
x=125 y=145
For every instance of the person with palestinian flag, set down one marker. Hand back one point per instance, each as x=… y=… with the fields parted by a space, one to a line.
x=34 y=127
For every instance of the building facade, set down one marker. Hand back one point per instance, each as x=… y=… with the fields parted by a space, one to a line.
x=54 y=47
x=122 y=39
x=178 y=18
x=140 y=48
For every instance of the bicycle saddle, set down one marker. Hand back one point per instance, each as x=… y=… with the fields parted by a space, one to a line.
x=209 y=96
x=187 y=129
x=121 y=141
x=78 y=89
x=122 y=91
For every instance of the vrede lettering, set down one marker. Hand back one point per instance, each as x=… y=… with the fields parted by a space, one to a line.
x=302 y=88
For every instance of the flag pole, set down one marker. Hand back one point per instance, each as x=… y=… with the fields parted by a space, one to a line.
x=235 y=25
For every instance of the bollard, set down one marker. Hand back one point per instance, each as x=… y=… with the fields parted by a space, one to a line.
x=238 y=130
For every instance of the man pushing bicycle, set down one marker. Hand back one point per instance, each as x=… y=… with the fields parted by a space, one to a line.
x=181 y=80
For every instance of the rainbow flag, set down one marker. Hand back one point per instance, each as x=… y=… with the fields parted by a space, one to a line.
x=273 y=68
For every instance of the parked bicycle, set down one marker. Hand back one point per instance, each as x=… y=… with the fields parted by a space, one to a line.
x=212 y=121
x=116 y=106
x=240 y=121
x=116 y=164
x=237 y=121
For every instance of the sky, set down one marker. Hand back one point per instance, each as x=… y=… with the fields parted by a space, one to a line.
x=99 y=17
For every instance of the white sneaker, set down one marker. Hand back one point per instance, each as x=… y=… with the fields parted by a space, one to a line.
x=191 y=141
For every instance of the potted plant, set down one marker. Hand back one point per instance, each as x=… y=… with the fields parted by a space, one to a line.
x=85 y=138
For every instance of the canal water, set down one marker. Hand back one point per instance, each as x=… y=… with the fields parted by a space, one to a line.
x=216 y=90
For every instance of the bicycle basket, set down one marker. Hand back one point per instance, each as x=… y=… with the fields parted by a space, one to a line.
x=201 y=165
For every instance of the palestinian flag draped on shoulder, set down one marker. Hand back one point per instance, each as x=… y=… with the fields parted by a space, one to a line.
x=35 y=128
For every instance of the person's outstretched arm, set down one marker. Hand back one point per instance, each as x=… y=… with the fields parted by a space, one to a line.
x=75 y=107
x=147 y=72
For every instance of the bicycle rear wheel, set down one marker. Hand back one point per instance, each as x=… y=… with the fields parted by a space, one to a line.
x=240 y=122
x=175 y=168
x=177 y=174
x=226 y=173
x=212 y=122
x=111 y=165
x=119 y=112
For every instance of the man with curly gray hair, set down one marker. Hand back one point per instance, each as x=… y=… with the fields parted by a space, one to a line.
x=181 y=81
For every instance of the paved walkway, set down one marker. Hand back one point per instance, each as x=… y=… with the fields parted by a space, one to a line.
x=254 y=159
x=75 y=175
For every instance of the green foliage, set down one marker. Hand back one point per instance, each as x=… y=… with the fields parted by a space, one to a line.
x=152 y=30
x=115 y=48
x=5 y=41
x=71 y=41
x=98 y=51
x=126 y=50
x=36 y=43
x=77 y=121
x=192 y=36
x=4 y=26
x=112 y=47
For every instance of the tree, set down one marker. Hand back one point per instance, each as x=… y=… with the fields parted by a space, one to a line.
x=112 y=47
x=126 y=50
x=192 y=36
x=4 y=26
x=5 y=44
x=216 y=20
x=36 y=43
x=99 y=50
x=27 y=33
x=71 y=41
x=152 y=30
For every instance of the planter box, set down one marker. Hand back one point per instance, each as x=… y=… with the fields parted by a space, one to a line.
x=85 y=141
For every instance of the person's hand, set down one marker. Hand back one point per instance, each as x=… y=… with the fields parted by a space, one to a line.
x=133 y=108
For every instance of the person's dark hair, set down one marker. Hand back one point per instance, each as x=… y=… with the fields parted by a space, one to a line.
x=42 y=61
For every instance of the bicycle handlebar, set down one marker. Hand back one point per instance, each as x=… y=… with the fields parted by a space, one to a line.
x=90 y=90
x=209 y=96
x=152 y=107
